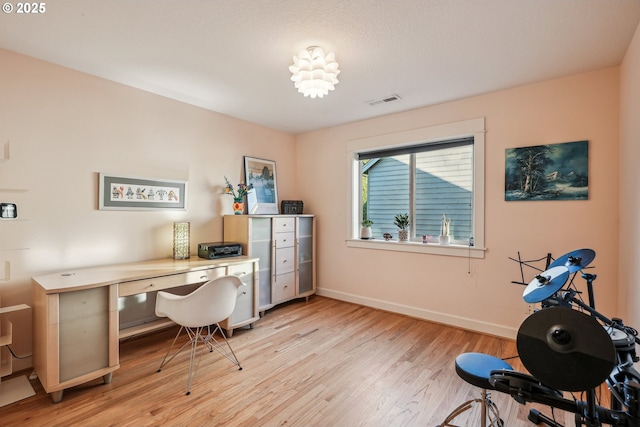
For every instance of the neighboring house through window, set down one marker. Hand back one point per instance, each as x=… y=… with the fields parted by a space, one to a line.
x=427 y=181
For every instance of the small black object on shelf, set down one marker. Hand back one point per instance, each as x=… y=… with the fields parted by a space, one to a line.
x=291 y=207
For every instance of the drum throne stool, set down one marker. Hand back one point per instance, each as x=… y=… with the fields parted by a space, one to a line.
x=476 y=369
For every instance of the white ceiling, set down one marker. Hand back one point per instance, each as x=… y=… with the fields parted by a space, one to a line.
x=232 y=56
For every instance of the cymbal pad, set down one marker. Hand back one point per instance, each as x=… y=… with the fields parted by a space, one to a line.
x=566 y=349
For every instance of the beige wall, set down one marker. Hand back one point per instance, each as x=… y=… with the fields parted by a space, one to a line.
x=64 y=127
x=60 y=128
x=478 y=293
x=629 y=248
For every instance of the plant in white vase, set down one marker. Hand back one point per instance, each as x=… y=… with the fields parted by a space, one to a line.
x=365 y=231
x=444 y=230
x=402 y=222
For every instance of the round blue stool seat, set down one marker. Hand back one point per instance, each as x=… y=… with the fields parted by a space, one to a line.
x=475 y=368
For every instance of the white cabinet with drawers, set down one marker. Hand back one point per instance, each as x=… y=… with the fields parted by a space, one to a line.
x=285 y=245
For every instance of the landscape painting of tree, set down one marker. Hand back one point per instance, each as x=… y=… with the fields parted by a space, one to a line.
x=547 y=172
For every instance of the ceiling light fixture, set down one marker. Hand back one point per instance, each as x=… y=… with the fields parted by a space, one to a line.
x=313 y=73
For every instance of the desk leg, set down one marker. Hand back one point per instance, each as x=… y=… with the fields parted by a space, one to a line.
x=56 y=396
x=107 y=378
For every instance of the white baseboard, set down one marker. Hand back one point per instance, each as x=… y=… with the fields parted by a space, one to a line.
x=420 y=313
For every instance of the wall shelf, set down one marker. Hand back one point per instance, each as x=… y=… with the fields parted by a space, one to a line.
x=16 y=388
x=13 y=190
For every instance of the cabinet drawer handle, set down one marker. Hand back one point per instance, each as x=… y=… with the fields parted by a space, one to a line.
x=244 y=292
x=204 y=277
x=240 y=273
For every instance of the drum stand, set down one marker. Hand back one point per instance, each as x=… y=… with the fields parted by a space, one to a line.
x=624 y=383
x=592 y=420
x=587 y=413
x=489 y=412
x=524 y=388
x=563 y=336
x=536 y=417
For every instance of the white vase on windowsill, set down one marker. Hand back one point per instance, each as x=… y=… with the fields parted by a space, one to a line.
x=444 y=230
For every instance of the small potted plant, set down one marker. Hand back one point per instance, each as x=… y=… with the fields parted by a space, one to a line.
x=365 y=231
x=444 y=230
x=402 y=222
x=238 y=198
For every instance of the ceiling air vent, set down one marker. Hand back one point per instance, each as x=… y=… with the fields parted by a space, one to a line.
x=385 y=100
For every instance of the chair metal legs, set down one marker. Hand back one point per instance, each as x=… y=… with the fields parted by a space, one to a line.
x=489 y=412
x=203 y=335
x=165 y=361
x=213 y=343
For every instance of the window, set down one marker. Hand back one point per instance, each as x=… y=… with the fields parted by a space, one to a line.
x=426 y=173
x=426 y=181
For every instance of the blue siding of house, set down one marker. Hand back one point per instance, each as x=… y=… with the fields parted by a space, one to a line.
x=444 y=185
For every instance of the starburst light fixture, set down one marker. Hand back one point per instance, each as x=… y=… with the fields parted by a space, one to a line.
x=313 y=73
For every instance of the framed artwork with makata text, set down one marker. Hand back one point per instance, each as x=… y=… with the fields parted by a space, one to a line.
x=136 y=193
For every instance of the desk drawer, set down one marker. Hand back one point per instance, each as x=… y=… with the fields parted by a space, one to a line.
x=169 y=281
x=245 y=307
x=284 y=240
x=284 y=225
x=284 y=287
x=246 y=310
x=284 y=261
x=243 y=271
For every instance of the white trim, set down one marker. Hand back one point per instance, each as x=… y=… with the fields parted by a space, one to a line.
x=418 y=247
x=420 y=313
x=427 y=134
x=471 y=127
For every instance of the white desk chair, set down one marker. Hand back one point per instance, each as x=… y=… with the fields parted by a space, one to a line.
x=197 y=313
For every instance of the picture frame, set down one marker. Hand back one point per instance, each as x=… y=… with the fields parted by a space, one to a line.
x=547 y=172
x=262 y=199
x=116 y=192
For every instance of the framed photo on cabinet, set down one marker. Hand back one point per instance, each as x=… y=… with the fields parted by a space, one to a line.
x=261 y=174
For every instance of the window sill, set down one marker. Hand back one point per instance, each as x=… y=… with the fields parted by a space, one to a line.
x=418 y=247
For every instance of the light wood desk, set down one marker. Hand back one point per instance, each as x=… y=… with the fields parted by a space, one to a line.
x=76 y=314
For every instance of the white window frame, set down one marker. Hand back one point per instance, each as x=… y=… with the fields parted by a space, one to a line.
x=466 y=128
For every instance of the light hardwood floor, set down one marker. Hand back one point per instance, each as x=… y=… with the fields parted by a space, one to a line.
x=317 y=363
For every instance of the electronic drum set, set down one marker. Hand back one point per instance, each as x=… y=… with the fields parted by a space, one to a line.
x=568 y=346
